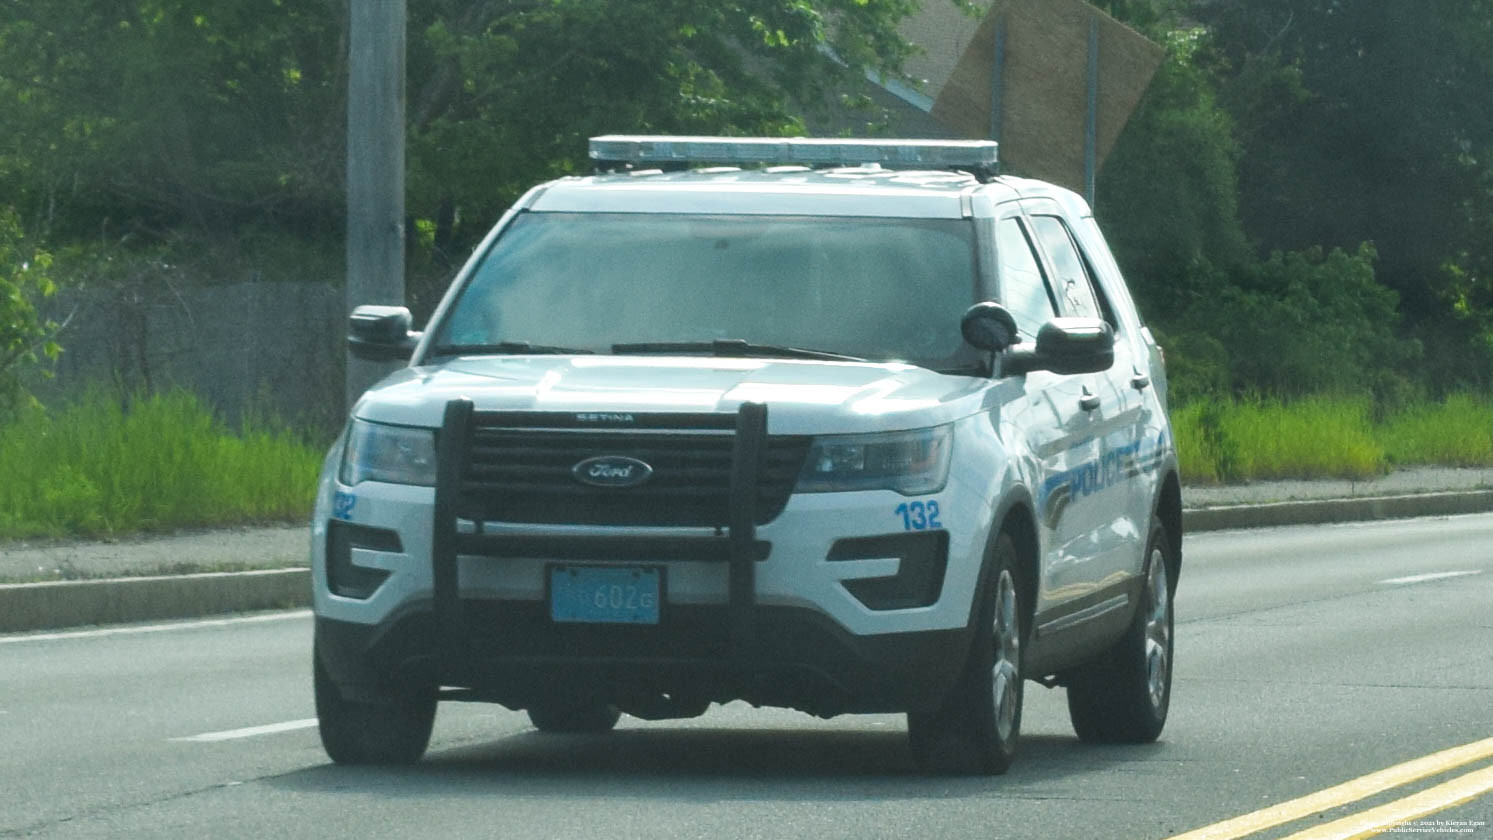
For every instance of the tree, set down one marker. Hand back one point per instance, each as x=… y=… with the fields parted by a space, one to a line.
x=1466 y=283
x=1366 y=120
x=1305 y=322
x=1292 y=323
x=26 y=339
x=215 y=127
x=1156 y=19
x=154 y=115
x=1167 y=195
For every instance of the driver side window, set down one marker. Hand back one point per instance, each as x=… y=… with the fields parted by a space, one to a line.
x=1023 y=289
x=1074 y=286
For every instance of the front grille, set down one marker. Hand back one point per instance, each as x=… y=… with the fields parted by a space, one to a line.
x=518 y=468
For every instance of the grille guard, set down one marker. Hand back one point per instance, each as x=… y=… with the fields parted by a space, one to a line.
x=739 y=546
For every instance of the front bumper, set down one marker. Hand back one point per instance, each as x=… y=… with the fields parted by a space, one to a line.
x=511 y=653
x=807 y=611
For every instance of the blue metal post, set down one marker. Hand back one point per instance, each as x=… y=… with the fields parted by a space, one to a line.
x=997 y=79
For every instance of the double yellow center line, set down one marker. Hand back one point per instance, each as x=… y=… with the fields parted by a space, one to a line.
x=1439 y=798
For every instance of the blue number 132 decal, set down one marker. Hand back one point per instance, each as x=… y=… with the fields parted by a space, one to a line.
x=919 y=516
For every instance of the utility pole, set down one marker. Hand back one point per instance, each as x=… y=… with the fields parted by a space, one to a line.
x=375 y=168
x=1091 y=116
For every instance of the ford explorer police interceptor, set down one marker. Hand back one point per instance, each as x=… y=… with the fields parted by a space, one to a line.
x=840 y=426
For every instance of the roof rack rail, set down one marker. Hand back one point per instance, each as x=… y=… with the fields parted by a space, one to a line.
x=975 y=156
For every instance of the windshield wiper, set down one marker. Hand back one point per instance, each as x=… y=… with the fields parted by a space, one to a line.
x=505 y=347
x=732 y=347
x=972 y=369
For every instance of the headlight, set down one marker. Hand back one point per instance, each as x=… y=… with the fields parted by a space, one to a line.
x=396 y=454
x=911 y=463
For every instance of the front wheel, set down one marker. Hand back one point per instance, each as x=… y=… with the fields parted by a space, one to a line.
x=395 y=730
x=976 y=728
x=1123 y=698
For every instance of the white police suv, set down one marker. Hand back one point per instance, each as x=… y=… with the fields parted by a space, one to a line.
x=841 y=426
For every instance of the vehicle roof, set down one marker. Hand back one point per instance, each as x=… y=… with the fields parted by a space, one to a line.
x=788 y=190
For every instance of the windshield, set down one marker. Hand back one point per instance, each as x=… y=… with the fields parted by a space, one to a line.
x=875 y=288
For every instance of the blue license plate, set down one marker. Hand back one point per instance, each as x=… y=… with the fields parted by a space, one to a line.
x=605 y=594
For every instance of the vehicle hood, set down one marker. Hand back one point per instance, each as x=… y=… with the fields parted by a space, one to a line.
x=803 y=397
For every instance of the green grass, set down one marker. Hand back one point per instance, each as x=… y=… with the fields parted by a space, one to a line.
x=1457 y=432
x=1199 y=452
x=1327 y=437
x=101 y=466
x=1317 y=437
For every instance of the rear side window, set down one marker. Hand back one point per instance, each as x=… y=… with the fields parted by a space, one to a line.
x=1022 y=288
x=1074 y=286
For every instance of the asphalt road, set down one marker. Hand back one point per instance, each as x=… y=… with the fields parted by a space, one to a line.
x=1307 y=658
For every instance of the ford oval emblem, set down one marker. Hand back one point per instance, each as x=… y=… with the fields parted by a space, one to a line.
x=611 y=471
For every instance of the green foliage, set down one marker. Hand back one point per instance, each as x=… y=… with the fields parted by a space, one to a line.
x=1255 y=439
x=172 y=126
x=104 y=465
x=1294 y=323
x=1197 y=366
x=26 y=339
x=148 y=141
x=1309 y=322
x=1458 y=431
x=1167 y=193
x=152 y=143
x=1156 y=19
x=1327 y=436
x=1200 y=453
x=1366 y=120
x=145 y=116
x=1465 y=283
x=1314 y=437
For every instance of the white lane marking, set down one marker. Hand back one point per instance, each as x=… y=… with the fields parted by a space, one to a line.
x=1402 y=581
x=249 y=732
x=153 y=628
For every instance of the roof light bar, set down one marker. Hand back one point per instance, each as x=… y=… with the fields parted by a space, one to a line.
x=635 y=148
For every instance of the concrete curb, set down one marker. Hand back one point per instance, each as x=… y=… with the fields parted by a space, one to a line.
x=72 y=603
x=1323 y=511
x=47 y=606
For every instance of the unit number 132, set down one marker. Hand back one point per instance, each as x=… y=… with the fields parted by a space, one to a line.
x=919 y=516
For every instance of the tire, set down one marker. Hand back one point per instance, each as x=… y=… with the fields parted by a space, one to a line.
x=577 y=718
x=976 y=728
x=394 y=731
x=1123 y=698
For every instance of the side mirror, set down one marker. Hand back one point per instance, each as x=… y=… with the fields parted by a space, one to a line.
x=381 y=333
x=988 y=326
x=1066 y=346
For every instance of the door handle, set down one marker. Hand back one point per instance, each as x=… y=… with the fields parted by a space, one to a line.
x=1139 y=381
x=1089 y=401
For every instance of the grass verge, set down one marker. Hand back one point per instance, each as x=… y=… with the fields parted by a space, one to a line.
x=1221 y=441
x=102 y=466
x=1457 y=432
